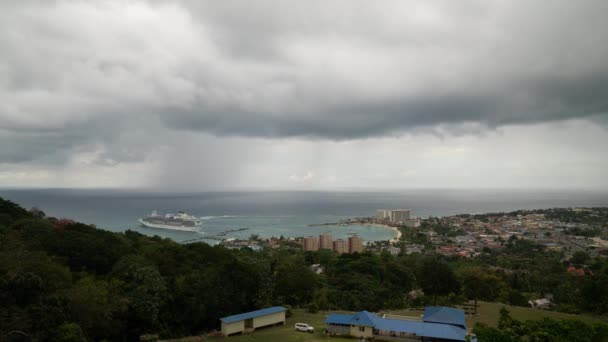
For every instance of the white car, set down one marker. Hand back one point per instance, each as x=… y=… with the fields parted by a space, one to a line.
x=304 y=327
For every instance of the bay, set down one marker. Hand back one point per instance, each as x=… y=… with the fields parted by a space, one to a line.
x=286 y=213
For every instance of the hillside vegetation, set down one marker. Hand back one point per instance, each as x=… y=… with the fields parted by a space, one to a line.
x=67 y=281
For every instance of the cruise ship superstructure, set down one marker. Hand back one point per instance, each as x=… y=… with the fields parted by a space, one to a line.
x=180 y=221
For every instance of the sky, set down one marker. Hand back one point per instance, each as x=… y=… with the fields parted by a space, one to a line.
x=304 y=95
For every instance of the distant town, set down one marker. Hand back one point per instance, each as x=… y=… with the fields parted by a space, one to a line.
x=466 y=235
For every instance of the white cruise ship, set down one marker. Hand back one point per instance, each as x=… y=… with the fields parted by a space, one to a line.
x=180 y=221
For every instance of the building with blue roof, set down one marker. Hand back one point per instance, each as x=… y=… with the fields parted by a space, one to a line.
x=249 y=321
x=437 y=324
x=445 y=315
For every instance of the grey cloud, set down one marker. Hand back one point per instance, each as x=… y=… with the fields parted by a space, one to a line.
x=55 y=146
x=536 y=69
x=75 y=75
x=533 y=102
x=19 y=148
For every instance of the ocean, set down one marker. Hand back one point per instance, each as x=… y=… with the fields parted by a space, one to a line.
x=286 y=213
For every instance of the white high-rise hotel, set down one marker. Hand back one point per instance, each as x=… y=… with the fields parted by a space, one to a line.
x=394 y=215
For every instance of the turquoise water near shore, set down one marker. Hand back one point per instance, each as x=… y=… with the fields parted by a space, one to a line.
x=283 y=213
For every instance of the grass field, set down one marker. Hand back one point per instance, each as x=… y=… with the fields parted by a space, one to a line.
x=288 y=333
x=487 y=313
x=284 y=333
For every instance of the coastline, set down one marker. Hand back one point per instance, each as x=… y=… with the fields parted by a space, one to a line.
x=398 y=233
x=396 y=230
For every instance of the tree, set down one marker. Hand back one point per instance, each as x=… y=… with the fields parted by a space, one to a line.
x=513 y=297
x=504 y=320
x=95 y=305
x=295 y=283
x=144 y=288
x=579 y=258
x=11 y=212
x=481 y=284
x=437 y=278
x=76 y=243
x=69 y=332
x=487 y=333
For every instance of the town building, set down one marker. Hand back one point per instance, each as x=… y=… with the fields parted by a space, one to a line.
x=394 y=215
x=340 y=246
x=383 y=214
x=411 y=223
x=311 y=243
x=400 y=215
x=542 y=303
x=249 y=321
x=393 y=250
x=355 y=244
x=437 y=324
x=325 y=241
x=317 y=268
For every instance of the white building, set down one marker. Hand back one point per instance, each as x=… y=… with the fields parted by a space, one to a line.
x=249 y=321
x=400 y=215
x=394 y=215
x=393 y=250
x=382 y=214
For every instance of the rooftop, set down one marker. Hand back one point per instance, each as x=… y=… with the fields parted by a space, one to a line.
x=438 y=322
x=445 y=315
x=426 y=329
x=252 y=314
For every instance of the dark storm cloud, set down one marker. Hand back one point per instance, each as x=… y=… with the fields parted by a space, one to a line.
x=349 y=121
x=539 y=68
x=18 y=148
x=80 y=75
x=533 y=102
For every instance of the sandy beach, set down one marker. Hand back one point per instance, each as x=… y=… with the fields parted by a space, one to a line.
x=394 y=229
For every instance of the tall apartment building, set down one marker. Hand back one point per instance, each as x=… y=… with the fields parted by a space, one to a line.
x=325 y=241
x=340 y=246
x=382 y=214
x=394 y=215
x=355 y=244
x=400 y=215
x=311 y=243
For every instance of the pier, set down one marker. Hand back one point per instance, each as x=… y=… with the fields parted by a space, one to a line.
x=217 y=237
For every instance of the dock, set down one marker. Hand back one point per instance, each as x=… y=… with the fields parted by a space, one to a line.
x=217 y=237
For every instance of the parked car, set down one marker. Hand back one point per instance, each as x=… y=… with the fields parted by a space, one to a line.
x=304 y=327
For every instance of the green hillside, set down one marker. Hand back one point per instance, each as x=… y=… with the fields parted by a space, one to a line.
x=63 y=280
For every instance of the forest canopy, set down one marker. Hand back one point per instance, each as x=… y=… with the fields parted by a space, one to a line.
x=63 y=280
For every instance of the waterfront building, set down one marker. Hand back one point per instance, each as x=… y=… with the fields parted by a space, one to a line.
x=394 y=215
x=400 y=215
x=383 y=214
x=355 y=244
x=310 y=243
x=325 y=241
x=340 y=247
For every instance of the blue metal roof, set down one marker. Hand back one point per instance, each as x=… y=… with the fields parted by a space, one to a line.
x=434 y=330
x=252 y=314
x=365 y=318
x=442 y=314
x=362 y=318
x=451 y=329
x=339 y=319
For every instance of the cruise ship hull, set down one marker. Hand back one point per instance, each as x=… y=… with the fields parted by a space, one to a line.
x=166 y=226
